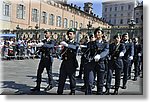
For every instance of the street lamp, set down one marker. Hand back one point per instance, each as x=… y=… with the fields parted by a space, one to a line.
x=36 y=27
x=89 y=25
x=18 y=28
x=131 y=24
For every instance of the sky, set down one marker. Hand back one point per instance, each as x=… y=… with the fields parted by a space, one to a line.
x=97 y=5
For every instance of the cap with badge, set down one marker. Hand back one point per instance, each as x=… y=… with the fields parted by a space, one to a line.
x=116 y=36
x=72 y=30
x=45 y=31
x=98 y=29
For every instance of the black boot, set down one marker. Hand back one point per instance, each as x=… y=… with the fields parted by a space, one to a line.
x=72 y=93
x=115 y=92
x=35 y=89
x=124 y=87
x=135 y=79
x=49 y=87
x=107 y=92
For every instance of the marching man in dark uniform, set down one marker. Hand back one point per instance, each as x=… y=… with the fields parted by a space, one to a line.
x=83 y=46
x=46 y=62
x=69 y=63
x=137 y=58
x=116 y=52
x=98 y=50
x=128 y=56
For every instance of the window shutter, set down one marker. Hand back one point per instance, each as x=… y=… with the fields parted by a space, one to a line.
x=45 y=18
x=9 y=9
x=17 y=11
x=37 y=15
x=24 y=12
x=3 y=8
x=32 y=17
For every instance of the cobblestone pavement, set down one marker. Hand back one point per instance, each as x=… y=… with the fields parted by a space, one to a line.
x=20 y=75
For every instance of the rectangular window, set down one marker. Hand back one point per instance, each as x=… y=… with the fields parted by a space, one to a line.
x=76 y=24
x=110 y=21
x=35 y=15
x=44 y=17
x=51 y=19
x=129 y=7
x=114 y=21
x=71 y=23
x=137 y=20
x=137 y=13
x=20 y=11
x=128 y=14
x=6 y=9
x=58 y=23
x=105 y=9
x=110 y=9
x=65 y=23
x=128 y=21
x=122 y=8
x=121 y=21
x=115 y=8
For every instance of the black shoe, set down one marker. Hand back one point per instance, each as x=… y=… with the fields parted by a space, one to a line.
x=83 y=87
x=135 y=79
x=129 y=77
x=113 y=87
x=49 y=87
x=115 y=92
x=35 y=89
x=93 y=86
x=72 y=93
x=59 y=94
x=107 y=92
x=78 y=77
x=124 y=87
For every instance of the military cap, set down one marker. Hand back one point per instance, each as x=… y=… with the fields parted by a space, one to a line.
x=72 y=30
x=116 y=36
x=125 y=34
x=90 y=34
x=97 y=29
x=45 y=31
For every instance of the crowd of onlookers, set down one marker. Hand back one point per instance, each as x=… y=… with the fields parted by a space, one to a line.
x=18 y=49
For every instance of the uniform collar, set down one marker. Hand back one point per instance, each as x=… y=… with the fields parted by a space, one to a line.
x=99 y=41
x=48 y=39
x=71 y=40
x=126 y=41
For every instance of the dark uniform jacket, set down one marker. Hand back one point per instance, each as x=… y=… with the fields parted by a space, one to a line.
x=94 y=48
x=69 y=53
x=46 y=49
x=137 y=50
x=115 y=50
x=129 y=50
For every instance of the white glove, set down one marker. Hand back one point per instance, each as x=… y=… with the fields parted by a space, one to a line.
x=131 y=58
x=97 y=57
x=40 y=44
x=121 y=54
x=64 y=43
x=139 y=54
x=83 y=46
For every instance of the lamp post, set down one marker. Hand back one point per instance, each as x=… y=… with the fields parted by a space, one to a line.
x=18 y=28
x=131 y=24
x=36 y=32
x=89 y=25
